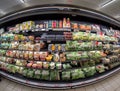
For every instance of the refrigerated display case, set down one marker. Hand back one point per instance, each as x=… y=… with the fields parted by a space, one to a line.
x=59 y=50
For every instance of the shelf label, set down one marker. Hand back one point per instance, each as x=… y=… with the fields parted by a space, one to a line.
x=48 y=41
x=32 y=30
x=56 y=85
x=41 y=84
x=27 y=82
x=69 y=85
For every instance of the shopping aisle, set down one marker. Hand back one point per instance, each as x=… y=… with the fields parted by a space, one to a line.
x=110 y=84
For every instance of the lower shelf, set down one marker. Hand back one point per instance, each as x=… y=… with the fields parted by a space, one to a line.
x=61 y=85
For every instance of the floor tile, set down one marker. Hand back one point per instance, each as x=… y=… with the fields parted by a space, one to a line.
x=18 y=87
x=67 y=90
x=109 y=84
x=118 y=89
x=26 y=88
x=35 y=89
x=48 y=90
x=80 y=89
x=99 y=87
x=90 y=88
x=11 y=85
x=8 y=89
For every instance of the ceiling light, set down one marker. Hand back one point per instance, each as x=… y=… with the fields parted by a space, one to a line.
x=2 y=12
x=117 y=16
x=22 y=1
x=107 y=3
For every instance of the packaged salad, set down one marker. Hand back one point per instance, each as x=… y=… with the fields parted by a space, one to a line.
x=54 y=75
x=66 y=75
x=77 y=74
x=45 y=75
x=38 y=74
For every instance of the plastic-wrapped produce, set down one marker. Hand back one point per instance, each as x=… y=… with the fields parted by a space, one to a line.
x=37 y=74
x=77 y=73
x=45 y=75
x=30 y=73
x=54 y=75
x=89 y=71
x=100 y=68
x=66 y=75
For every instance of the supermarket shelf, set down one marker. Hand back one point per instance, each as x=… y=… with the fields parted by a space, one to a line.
x=64 y=40
x=67 y=61
x=62 y=69
x=46 y=50
x=36 y=68
x=56 y=85
x=53 y=30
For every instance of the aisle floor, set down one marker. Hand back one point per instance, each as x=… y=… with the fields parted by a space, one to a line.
x=109 y=84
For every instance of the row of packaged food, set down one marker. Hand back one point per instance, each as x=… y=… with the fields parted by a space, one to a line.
x=49 y=65
x=54 y=75
x=91 y=36
x=43 y=56
x=56 y=57
x=65 y=36
x=29 y=46
x=65 y=23
x=15 y=37
x=68 y=46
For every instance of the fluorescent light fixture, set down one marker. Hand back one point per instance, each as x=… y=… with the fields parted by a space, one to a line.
x=117 y=16
x=22 y=1
x=2 y=12
x=107 y=3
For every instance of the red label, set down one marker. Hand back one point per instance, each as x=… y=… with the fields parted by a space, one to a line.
x=96 y=43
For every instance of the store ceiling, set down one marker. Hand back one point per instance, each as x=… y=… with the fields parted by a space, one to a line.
x=113 y=9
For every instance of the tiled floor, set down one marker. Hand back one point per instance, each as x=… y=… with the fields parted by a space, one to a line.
x=110 y=84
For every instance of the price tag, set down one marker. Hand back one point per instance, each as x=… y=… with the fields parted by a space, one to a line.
x=97 y=78
x=26 y=31
x=36 y=30
x=23 y=31
x=32 y=30
x=39 y=84
x=69 y=85
x=27 y=82
x=6 y=75
x=100 y=33
x=43 y=29
x=48 y=41
x=56 y=85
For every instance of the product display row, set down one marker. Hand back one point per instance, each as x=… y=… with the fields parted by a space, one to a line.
x=64 y=23
x=54 y=74
x=84 y=36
